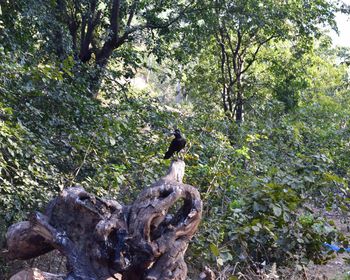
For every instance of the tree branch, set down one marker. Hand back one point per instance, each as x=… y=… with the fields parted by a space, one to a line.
x=115 y=21
x=256 y=52
x=90 y=21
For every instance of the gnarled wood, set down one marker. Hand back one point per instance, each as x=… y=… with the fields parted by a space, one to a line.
x=35 y=274
x=23 y=243
x=103 y=239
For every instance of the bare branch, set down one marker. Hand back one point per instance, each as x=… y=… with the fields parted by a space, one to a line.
x=131 y=13
x=256 y=52
x=90 y=21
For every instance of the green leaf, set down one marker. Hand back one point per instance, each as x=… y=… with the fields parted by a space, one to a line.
x=214 y=249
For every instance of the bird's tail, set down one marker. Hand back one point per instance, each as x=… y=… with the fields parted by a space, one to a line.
x=167 y=155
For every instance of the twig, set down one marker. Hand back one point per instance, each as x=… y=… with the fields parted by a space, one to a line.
x=305 y=273
x=82 y=163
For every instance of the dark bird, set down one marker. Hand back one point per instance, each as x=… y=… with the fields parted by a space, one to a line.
x=176 y=145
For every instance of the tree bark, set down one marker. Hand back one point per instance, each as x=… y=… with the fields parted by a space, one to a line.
x=103 y=239
x=239 y=101
x=35 y=274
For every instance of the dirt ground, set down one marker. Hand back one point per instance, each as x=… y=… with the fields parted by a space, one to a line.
x=339 y=267
x=335 y=269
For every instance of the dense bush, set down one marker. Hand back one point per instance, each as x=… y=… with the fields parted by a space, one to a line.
x=264 y=182
x=260 y=182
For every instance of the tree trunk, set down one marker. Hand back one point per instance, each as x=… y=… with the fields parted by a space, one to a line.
x=239 y=99
x=239 y=108
x=102 y=239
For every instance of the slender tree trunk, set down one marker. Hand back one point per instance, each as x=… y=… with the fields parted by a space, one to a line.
x=239 y=101
x=224 y=89
x=178 y=98
x=179 y=95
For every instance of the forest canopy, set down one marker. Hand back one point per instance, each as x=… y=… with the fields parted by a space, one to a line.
x=91 y=89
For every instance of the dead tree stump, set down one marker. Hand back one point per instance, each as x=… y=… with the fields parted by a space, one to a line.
x=102 y=239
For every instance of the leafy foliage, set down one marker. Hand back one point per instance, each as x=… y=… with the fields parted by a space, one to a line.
x=263 y=182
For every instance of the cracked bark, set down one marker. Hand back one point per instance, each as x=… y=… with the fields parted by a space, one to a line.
x=103 y=239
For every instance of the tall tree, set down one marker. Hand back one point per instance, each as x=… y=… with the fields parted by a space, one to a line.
x=99 y=27
x=242 y=28
x=93 y=31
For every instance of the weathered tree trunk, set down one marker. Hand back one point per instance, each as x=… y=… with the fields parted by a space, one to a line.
x=102 y=239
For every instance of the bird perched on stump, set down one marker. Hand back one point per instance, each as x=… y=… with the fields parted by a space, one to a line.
x=176 y=145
